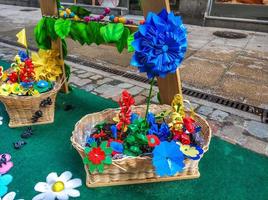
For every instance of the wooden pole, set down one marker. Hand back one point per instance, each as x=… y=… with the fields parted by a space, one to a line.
x=171 y=85
x=49 y=8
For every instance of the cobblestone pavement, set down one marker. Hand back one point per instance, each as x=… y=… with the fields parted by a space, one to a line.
x=233 y=68
x=231 y=125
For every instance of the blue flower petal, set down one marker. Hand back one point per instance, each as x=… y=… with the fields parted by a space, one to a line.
x=5 y=179
x=3 y=190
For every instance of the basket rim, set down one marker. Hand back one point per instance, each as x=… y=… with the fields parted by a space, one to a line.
x=79 y=147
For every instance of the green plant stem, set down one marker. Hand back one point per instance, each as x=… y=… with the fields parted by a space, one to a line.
x=149 y=98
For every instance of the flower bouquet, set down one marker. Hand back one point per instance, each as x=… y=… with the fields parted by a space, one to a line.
x=29 y=87
x=148 y=143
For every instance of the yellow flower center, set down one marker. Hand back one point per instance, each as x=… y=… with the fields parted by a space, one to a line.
x=58 y=186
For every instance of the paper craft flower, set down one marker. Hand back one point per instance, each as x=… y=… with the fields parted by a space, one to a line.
x=5 y=89
x=192 y=152
x=189 y=124
x=168 y=159
x=97 y=157
x=5 y=180
x=60 y=188
x=150 y=119
x=160 y=44
x=117 y=147
x=23 y=56
x=163 y=132
x=9 y=196
x=5 y=163
x=153 y=140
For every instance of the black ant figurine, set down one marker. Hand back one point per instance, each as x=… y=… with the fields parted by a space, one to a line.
x=46 y=102
x=19 y=144
x=3 y=160
x=36 y=116
x=27 y=133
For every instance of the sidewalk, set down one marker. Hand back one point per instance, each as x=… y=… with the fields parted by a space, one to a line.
x=231 y=68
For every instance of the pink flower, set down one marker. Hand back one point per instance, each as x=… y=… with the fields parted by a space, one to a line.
x=5 y=163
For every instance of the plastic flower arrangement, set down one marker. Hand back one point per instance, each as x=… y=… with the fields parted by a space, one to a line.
x=30 y=76
x=167 y=139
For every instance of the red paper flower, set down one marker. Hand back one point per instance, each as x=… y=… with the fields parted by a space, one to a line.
x=99 y=135
x=185 y=139
x=1 y=71
x=13 y=77
x=189 y=124
x=126 y=99
x=153 y=140
x=96 y=155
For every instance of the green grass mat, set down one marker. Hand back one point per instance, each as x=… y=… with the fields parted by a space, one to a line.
x=228 y=172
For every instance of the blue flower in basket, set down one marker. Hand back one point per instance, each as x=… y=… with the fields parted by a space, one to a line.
x=168 y=159
x=23 y=56
x=151 y=119
x=4 y=181
x=134 y=117
x=160 y=44
x=114 y=131
x=193 y=152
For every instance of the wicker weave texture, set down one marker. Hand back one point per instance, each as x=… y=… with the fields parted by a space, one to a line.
x=132 y=169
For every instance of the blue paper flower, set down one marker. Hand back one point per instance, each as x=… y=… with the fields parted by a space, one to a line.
x=134 y=117
x=163 y=132
x=153 y=129
x=114 y=131
x=23 y=55
x=160 y=44
x=26 y=84
x=117 y=147
x=90 y=140
x=4 y=181
x=151 y=119
x=168 y=159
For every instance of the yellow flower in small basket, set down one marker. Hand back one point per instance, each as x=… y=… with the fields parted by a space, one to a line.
x=5 y=89
x=48 y=65
x=17 y=89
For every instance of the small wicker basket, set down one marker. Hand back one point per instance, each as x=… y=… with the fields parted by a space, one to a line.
x=132 y=170
x=21 y=109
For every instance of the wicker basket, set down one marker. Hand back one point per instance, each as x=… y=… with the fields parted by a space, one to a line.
x=22 y=108
x=132 y=170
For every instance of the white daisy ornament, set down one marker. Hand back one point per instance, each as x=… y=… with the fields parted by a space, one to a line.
x=1 y=120
x=60 y=188
x=9 y=196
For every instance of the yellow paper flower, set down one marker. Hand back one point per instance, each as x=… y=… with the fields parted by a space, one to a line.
x=193 y=152
x=16 y=89
x=5 y=89
x=17 y=59
x=48 y=65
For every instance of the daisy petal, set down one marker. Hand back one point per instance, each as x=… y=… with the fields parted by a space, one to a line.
x=41 y=187
x=73 y=193
x=62 y=195
x=52 y=177
x=65 y=176
x=40 y=196
x=9 y=196
x=74 y=183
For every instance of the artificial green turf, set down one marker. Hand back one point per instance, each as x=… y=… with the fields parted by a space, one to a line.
x=228 y=172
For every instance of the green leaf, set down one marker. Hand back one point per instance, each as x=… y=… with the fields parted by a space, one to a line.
x=129 y=43
x=67 y=71
x=87 y=150
x=85 y=161
x=123 y=42
x=92 y=167
x=108 y=150
x=63 y=27
x=80 y=11
x=100 y=168
x=130 y=139
x=79 y=33
x=108 y=160
x=142 y=138
x=41 y=36
x=103 y=145
x=112 y=32
x=93 y=30
x=136 y=150
x=50 y=25
x=64 y=48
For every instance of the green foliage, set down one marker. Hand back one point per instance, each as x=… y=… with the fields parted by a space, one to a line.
x=50 y=23
x=93 y=29
x=63 y=27
x=112 y=32
x=80 y=11
x=64 y=49
x=123 y=41
x=129 y=43
x=41 y=35
x=79 y=33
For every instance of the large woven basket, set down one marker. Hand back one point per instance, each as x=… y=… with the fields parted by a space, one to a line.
x=136 y=169
x=21 y=109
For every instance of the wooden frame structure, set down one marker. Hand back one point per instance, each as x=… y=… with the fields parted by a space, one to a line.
x=168 y=87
